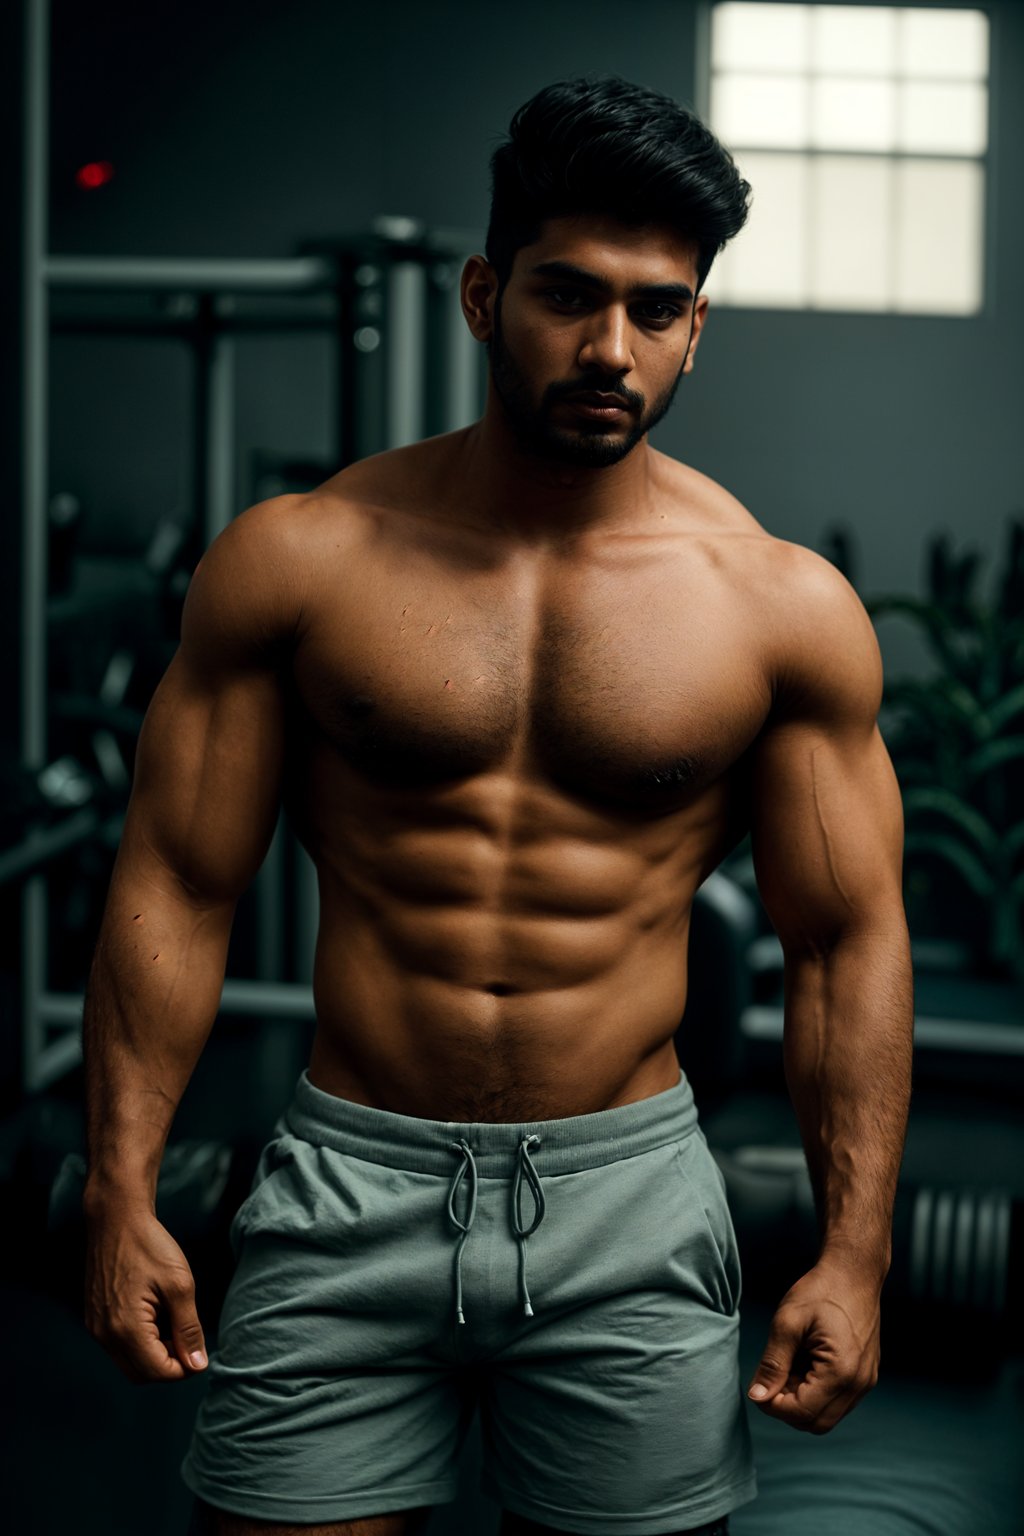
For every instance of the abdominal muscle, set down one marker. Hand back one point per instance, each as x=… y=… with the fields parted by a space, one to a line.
x=459 y=977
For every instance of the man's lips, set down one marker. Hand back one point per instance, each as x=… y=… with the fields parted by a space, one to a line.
x=598 y=397
x=596 y=404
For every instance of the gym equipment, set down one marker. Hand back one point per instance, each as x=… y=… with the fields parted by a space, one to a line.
x=956 y=1264
x=190 y=1189
x=405 y=367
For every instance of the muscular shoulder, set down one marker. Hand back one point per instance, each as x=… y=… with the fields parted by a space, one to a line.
x=823 y=645
x=278 y=567
x=251 y=589
x=818 y=644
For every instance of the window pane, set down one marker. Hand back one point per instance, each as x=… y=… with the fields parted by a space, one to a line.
x=851 y=232
x=766 y=263
x=938 y=244
x=762 y=37
x=853 y=114
x=857 y=40
x=943 y=118
x=747 y=109
x=946 y=44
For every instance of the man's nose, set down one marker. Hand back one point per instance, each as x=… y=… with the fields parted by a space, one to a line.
x=607 y=347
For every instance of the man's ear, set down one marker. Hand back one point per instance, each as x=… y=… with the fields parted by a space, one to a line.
x=479 y=292
x=700 y=313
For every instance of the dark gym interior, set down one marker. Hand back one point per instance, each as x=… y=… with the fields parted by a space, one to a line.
x=233 y=269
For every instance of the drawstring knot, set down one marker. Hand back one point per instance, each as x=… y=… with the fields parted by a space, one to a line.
x=524 y=1169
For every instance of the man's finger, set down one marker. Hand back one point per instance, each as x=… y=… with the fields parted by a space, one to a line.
x=815 y=1407
x=142 y=1355
x=187 y=1342
x=776 y=1363
x=153 y=1361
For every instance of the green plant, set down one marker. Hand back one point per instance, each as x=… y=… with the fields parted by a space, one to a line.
x=957 y=740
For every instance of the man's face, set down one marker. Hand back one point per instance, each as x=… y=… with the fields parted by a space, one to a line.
x=591 y=336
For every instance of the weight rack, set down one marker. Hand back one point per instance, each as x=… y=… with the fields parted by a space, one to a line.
x=405 y=367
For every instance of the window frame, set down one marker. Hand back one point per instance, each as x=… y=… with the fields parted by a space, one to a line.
x=988 y=161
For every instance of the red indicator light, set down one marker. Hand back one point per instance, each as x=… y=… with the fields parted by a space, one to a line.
x=96 y=174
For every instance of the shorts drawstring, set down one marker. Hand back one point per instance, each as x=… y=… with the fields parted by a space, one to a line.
x=468 y=1161
x=524 y=1165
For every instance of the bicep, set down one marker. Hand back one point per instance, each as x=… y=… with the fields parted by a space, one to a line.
x=827 y=828
x=827 y=831
x=208 y=769
x=207 y=783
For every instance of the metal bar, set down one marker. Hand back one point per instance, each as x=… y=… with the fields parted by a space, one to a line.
x=215 y=275
x=57 y=1057
x=404 y=338
x=261 y=999
x=202 y=388
x=43 y=846
x=345 y=405
x=972 y=1036
x=175 y=330
x=268 y=999
x=35 y=341
x=61 y=1008
x=34 y=567
x=219 y=401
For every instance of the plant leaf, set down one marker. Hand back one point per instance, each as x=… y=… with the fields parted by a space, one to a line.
x=947 y=689
x=962 y=859
x=931 y=617
x=913 y=770
x=1003 y=711
x=940 y=802
x=994 y=754
x=1011 y=595
x=942 y=701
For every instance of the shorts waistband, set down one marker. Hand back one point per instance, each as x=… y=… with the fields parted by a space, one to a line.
x=569 y=1145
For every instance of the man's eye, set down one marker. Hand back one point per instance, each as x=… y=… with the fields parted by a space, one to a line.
x=565 y=298
x=658 y=314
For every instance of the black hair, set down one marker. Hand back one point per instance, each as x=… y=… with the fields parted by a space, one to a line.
x=606 y=146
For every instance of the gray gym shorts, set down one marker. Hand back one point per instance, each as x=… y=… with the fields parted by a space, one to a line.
x=594 y=1264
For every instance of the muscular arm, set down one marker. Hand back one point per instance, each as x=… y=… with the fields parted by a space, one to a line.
x=203 y=808
x=827 y=839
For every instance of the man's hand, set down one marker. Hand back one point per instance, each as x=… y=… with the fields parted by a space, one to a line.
x=822 y=1351
x=140 y=1297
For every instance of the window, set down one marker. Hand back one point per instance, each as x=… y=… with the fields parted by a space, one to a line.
x=863 y=131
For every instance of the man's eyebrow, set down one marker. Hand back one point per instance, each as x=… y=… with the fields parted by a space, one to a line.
x=569 y=272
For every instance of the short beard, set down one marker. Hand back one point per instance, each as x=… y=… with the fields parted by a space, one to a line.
x=589 y=446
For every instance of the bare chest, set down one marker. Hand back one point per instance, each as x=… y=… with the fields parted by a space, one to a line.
x=636 y=688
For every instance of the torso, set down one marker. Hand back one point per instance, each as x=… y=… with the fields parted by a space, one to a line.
x=513 y=768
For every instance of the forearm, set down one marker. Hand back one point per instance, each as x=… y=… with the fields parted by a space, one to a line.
x=151 y=1002
x=848 y=1047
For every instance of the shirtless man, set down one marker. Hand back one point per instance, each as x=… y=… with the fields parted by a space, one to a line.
x=522 y=687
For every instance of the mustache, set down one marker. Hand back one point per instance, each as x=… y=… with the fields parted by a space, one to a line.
x=599 y=384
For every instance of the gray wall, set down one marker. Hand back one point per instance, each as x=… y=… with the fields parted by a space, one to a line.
x=244 y=130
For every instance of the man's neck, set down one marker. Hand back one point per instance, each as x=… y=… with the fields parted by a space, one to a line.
x=538 y=500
